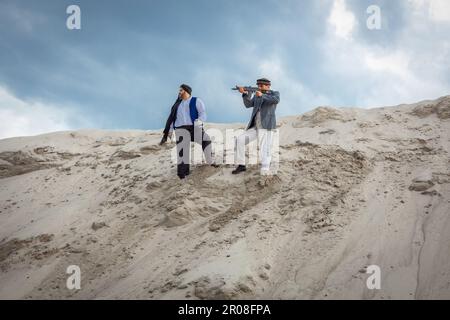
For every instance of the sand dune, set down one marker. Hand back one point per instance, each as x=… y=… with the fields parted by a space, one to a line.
x=356 y=187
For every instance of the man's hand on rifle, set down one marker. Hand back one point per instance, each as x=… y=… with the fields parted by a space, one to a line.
x=258 y=93
x=242 y=90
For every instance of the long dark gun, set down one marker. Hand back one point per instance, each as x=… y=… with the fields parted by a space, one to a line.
x=252 y=89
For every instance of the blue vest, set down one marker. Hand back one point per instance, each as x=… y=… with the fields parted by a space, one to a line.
x=193 y=109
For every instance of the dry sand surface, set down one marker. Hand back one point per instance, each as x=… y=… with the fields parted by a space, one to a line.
x=356 y=187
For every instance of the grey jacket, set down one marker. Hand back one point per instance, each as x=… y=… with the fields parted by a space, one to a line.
x=266 y=104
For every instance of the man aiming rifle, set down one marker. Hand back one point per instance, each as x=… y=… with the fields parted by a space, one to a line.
x=261 y=125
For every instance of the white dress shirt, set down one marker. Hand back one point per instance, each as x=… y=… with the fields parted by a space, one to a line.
x=184 y=115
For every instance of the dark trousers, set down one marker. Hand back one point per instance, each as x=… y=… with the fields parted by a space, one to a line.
x=185 y=135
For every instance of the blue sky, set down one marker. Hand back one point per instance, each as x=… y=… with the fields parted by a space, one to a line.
x=123 y=68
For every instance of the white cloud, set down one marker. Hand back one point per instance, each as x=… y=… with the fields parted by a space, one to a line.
x=389 y=63
x=440 y=10
x=436 y=10
x=22 y=118
x=381 y=76
x=406 y=71
x=342 y=20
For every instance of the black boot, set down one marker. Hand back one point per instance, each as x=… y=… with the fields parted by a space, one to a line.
x=239 y=169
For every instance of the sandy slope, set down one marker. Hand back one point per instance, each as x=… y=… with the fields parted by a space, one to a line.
x=356 y=188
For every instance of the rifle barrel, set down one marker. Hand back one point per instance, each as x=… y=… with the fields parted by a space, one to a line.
x=252 y=89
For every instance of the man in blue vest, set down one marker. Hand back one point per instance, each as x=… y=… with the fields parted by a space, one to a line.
x=186 y=117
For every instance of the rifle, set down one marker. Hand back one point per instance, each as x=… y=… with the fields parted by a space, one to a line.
x=253 y=89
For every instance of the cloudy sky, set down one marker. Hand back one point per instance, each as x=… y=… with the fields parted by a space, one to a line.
x=122 y=69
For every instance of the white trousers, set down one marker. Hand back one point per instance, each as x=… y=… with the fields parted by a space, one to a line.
x=264 y=142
